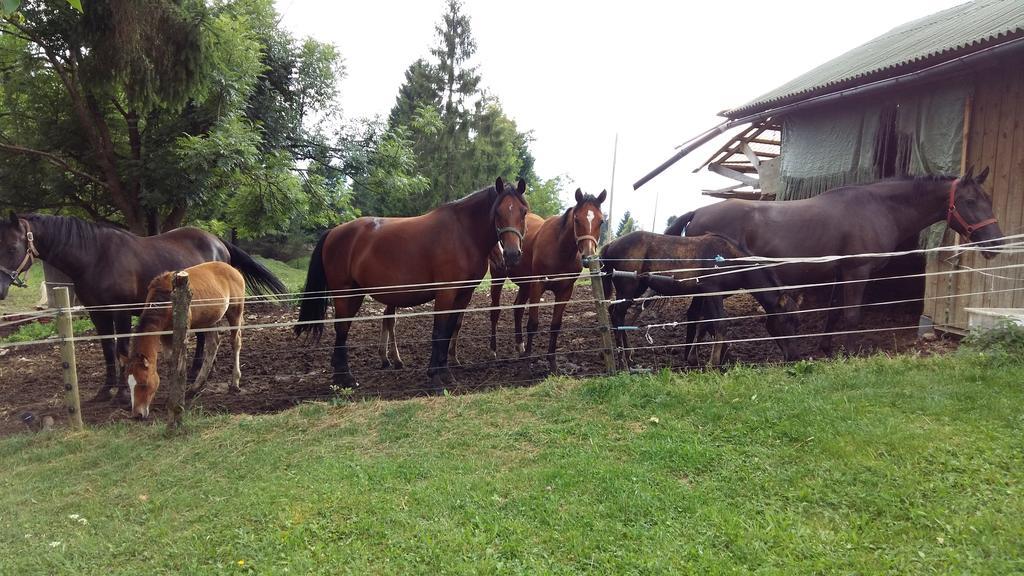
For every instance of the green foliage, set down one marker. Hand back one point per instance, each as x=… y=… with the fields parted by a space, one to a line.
x=152 y=113
x=40 y=331
x=868 y=466
x=1004 y=341
x=626 y=225
x=544 y=196
x=444 y=137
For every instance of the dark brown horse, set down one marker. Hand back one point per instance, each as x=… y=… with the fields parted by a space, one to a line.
x=112 y=268
x=445 y=249
x=873 y=218
x=674 y=266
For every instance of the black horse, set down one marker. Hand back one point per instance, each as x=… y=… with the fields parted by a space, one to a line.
x=872 y=218
x=112 y=268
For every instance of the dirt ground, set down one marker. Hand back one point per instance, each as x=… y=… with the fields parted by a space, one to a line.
x=279 y=371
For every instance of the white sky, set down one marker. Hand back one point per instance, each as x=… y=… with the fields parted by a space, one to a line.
x=579 y=72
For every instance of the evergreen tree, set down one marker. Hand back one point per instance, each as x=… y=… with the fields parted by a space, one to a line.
x=626 y=225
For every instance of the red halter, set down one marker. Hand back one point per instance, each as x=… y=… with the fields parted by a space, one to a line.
x=966 y=229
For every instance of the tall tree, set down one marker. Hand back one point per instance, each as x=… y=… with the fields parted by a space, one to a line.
x=626 y=225
x=143 y=112
x=459 y=82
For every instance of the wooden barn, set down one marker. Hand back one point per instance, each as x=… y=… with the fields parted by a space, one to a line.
x=932 y=96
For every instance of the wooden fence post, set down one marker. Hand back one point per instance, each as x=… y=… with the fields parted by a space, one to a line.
x=66 y=331
x=181 y=298
x=604 y=323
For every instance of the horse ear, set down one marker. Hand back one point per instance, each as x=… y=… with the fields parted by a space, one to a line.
x=579 y=195
x=969 y=174
x=800 y=300
x=14 y=217
x=980 y=178
x=521 y=187
x=602 y=196
x=499 y=185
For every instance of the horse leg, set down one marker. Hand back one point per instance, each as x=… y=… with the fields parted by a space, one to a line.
x=832 y=315
x=453 y=353
x=533 y=323
x=445 y=319
x=123 y=330
x=197 y=358
x=209 y=355
x=387 y=328
x=562 y=297
x=617 y=315
x=714 y=310
x=522 y=295
x=235 y=319
x=104 y=322
x=853 y=297
x=693 y=317
x=396 y=358
x=344 y=307
x=496 y=314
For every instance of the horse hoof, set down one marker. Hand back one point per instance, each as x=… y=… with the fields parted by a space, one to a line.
x=385 y=364
x=235 y=389
x=343 y=381
x=398 y=365
x=121 y=398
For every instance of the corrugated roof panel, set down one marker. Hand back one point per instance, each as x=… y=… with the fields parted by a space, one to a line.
x=934 y=38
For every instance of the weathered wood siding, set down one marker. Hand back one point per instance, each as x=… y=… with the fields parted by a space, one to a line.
x=995 y=139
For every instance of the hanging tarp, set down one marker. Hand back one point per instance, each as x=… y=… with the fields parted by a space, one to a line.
x=930 y=125
x=826 y=148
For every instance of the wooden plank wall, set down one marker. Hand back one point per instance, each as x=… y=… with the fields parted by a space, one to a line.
x=995 y=139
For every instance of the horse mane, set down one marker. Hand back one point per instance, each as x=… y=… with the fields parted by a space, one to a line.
x=158 y=297
x=73 y=230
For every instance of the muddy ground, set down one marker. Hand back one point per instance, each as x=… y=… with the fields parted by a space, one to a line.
x=279 y=371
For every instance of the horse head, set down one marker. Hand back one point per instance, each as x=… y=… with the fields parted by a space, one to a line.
x=587 y=219
x=16 y=252
x=143 y=382
x=970 y=212
x=509 y=217
x=783 y=322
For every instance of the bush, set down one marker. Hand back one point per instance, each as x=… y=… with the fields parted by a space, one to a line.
x=1005 y=339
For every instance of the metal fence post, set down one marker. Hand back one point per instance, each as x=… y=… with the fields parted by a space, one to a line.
x=181 y=298
x=604 y=323
x=66 y=331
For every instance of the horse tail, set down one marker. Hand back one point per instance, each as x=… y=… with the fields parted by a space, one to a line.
x=314 y=300
x=677 y=227
x=258 y=278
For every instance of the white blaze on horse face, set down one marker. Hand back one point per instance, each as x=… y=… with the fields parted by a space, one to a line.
x=131 y=388
x=590 y=221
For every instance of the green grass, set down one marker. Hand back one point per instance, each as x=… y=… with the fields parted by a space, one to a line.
x=866 y=466
x=293 y=277
x=23 y=299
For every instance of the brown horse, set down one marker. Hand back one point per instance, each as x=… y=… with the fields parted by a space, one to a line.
x=218 y=296
x=500 y=271
x=558 y=249
x=674 y=266
x=387 y=348
x=873 y=218
x=445 y=250
x=111 y=269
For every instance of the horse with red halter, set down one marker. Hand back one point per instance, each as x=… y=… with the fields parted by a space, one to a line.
x=403 y=262
x=218 y=297
x=557 y=250
x=111 y=269
x=864 y=219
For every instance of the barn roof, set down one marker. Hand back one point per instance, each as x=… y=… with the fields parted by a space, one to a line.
x=940 y=37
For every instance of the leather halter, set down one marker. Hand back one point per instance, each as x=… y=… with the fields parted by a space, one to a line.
x=586 y=237
x=511 y=229
x=966 y=229
x=30 y=254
